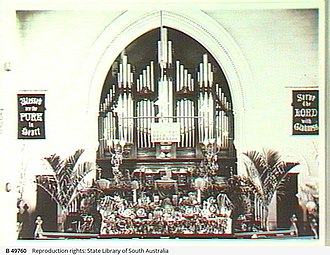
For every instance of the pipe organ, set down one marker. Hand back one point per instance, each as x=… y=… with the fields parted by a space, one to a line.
x=166 y=133
x=166 y=90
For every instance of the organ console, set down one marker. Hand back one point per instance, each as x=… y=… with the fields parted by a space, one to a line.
x=167 y=91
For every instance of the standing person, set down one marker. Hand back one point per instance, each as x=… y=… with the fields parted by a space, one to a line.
x=294 y=228
x=314 y=227
x=38 y=231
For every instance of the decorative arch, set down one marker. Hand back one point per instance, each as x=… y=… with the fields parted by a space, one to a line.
x=130 y=25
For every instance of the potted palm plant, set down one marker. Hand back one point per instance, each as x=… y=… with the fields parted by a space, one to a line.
x=266 y=171
x=67 y=179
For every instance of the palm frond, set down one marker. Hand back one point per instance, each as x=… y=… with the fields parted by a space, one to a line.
x=82 y=170
x=54 y=161
x=254 y=178
x=67 y=175
x=276 y=187
x=72 y=160
x=272 y=157
x=259 y=162
x=271 y=168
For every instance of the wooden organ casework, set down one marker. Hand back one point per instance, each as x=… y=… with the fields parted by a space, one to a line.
x=166 y=108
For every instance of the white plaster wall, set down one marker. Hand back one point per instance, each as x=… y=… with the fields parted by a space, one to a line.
x=53 y=48
x=280 y=47
x=8 y=166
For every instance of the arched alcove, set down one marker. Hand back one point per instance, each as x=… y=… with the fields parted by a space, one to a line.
x=166 y=81
x=130 y=25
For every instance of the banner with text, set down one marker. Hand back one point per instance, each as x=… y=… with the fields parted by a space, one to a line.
x=31 y=116
x=305 y=105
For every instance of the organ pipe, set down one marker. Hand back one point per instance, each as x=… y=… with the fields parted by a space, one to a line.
x=124 y=70
x=146 y=79
x=120 y=75
x=205 y=70
x=181 y=76
x=164 y=50
x=170 y=52
x=145 y=116
x=185 y=114
x=144 y=75
x=177 y=75
x=152 y=76
x=184 y=79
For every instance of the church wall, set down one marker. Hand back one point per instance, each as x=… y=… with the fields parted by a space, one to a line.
x=8 y=175
x=280 y=48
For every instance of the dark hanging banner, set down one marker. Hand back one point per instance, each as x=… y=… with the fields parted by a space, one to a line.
x=31 y=116
x=305 y=105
